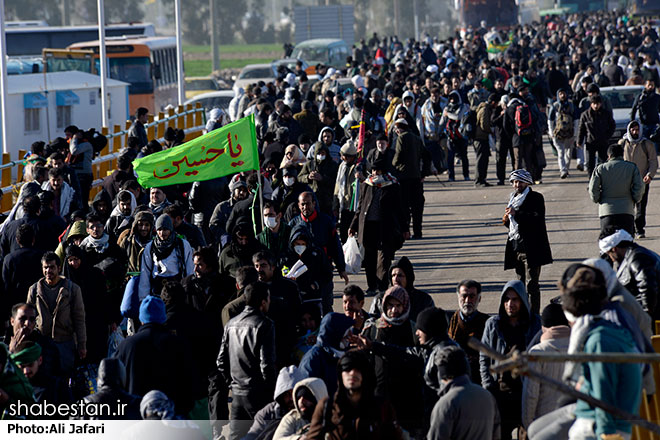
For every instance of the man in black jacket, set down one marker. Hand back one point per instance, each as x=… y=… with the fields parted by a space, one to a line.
x=648 y=105
x=380 y=224
x=156 y=359
x=594 y=131
x=137 y=130
x=527 y=245
x=520 y=125
x=247 y=358
x=28 y=260
x=638 y=267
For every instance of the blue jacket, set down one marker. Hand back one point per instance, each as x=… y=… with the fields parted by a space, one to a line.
x=617 y=384
x=321 y=360
x=494 y=337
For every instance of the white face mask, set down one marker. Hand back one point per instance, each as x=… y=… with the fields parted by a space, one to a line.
x=270 y=222
x=299 y=249
x=320 y=157
x=289 y=181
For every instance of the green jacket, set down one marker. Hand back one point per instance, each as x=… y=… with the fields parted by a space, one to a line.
x=276 y=244
x=616 y=186
x=14 y=384
x=617 y=384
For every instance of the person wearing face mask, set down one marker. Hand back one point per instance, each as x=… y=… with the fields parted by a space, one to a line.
x=319 y=270
x=275 y=236
x=287 y=193
x=321 y=173
x=380 y=225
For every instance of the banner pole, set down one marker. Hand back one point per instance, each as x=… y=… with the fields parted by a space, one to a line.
x=261 y=198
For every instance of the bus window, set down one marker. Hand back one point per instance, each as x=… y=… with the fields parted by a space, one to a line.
x=134 y=70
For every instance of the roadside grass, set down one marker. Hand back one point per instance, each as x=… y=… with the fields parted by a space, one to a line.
x=233 y=48
x=204 y=67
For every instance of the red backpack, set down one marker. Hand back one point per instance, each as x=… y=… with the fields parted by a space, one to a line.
x=523 y=120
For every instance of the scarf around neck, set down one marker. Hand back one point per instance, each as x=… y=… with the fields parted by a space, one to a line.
x=515 y=201
x=99 y=245
x=381 y=181
x=163 y=248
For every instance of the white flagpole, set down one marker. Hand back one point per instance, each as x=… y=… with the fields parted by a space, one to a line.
x=179 y=51
x=103 y=63
x=3 y=79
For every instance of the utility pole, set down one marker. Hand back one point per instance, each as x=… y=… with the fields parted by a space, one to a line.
x=179 y=52
x=103 y=63
x=214 y=37
x=397 y=18
x=65 y=12
x=3 y=79
x=416 y=16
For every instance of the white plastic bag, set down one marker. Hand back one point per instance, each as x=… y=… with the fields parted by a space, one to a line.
x=352 y=256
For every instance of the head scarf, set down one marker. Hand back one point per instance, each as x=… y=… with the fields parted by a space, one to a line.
x=27 y=355
x=606 y=244
x=156 y=405
x=400 y=294
x=521 y=176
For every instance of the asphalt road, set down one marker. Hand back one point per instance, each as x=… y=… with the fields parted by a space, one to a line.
x=464 y=236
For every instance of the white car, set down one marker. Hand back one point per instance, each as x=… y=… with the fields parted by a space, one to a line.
x=622 y=99
x=211 y=100
x=253 y=73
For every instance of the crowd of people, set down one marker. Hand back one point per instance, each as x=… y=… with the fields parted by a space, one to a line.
x=214 y=300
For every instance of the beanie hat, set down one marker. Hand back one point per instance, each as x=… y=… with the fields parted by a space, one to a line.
x=432 y=321
x=553 y=315
x=152 y=309
x=164 y=222
x=237 y=183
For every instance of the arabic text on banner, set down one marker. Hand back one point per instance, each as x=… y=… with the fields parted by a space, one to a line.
x=224 y=151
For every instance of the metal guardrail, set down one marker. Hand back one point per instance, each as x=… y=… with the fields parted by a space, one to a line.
x=109 y=136
x=101 y=165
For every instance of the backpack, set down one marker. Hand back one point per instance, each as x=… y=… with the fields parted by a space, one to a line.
x=469 y=124
x=564 y=127
x=523 y=120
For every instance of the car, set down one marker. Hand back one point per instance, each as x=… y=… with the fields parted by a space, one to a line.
x=622 y=99
x=196 y=85
x=289 y=63
x=253 y=73
x=211 y=100
x=328 y=51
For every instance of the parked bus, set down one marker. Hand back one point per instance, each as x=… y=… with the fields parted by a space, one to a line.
x=29 y=38
x=148 y=64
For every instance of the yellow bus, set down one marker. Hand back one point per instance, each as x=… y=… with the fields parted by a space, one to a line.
x=148 y=64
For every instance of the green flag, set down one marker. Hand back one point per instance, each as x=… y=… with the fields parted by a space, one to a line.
x=224 y=151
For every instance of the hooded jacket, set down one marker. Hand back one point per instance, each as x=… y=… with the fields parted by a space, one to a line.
x=640 y=151
x=131 y=245
x=494 y=337
x=292 y=425
x=102 y=196
x=419 y=300
x=321 y=360
x=327 y=168
x=319 y=270
x=112 y=390
x=77 y=229
x=648 y=106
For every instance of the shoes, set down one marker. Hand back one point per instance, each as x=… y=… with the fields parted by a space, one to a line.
x=466 y=178
x=482 y=184
x=538 y=182
x=500 y=183
x=580 y=167
x=416 y=237
x=640 y=235
x=450 y=179
x=563 y=175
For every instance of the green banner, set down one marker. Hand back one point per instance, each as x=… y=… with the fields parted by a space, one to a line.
x=224 y=151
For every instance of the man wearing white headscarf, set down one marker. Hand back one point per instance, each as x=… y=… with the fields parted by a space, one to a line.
x=527 y=246
x=638 y=268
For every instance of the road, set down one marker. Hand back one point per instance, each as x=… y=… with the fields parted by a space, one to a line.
x=464 y=236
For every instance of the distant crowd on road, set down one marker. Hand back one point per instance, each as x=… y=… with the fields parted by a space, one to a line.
x=214 y=300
